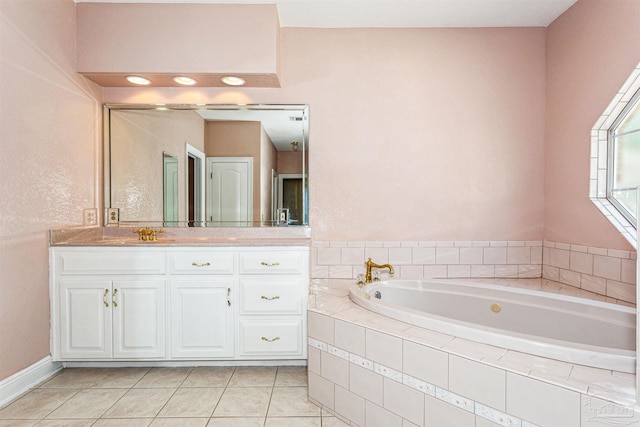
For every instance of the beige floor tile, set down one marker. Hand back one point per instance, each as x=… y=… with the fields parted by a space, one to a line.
x=17 y=423
x=251 y=376
x=143 y=402
x=192 y=402
x=88 y=403
x=120 y=377
x=293 y=422
x=333 y=422
x=179 y=422
x=37 y=404
x=123 y=422
x=164 y=377
x=291 y=376
x=291 y=401
x=66 y=423
x=236 y=422
x=209 y=376
x=246 y=401
x=74 y=378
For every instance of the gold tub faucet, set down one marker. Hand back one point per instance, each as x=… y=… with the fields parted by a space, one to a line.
x=370 y=264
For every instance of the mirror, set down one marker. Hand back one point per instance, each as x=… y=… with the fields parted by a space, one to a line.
x=222 y=165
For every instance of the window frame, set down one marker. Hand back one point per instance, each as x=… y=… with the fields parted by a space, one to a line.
x=611 y=159
x=600 y=158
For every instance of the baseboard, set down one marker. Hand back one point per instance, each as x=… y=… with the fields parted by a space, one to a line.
x=182 y=363
x=21 y=382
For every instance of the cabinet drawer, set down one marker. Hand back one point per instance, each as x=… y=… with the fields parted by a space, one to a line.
x=271 y=262
x=271 y=296
x=202 y=263
x=271 y=337
x=115 y=262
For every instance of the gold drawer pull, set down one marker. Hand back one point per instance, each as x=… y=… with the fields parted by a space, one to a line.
x=113 y=298
x=104 y=298
x=270 y=340
x=270 y=298
x=270 y=264
x=204 y=264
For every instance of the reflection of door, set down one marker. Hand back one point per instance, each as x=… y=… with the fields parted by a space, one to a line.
x=170 y=190
x=230 y=190
x=291 y=196
x=195 y=186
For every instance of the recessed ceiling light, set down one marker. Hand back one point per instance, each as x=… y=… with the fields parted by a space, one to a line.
x=184 y=80
x=138 y=80
x=233 y=80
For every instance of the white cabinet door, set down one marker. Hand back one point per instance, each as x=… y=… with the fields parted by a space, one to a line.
x=85 y=319
x=138 y=318
x=202 y=318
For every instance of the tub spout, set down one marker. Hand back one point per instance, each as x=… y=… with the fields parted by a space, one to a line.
x=370 y=264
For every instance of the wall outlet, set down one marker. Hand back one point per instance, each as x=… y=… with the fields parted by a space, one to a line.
x=113 y=216
x=90 y=216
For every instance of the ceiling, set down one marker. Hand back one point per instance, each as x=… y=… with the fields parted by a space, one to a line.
x=401 y=13
x=283 y=124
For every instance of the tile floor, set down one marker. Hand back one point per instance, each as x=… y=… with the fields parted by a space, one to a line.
x=265 y=396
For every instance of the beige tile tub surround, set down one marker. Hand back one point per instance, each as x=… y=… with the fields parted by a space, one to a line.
x=244 y=396
x=611 y=274
x=599 y=273
x=371 y=371
x=422 y=260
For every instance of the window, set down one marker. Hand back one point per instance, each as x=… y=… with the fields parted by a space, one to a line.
x=624 y=157
x=615 y=159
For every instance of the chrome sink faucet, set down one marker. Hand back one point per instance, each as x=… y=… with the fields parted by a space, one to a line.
x=370 y=264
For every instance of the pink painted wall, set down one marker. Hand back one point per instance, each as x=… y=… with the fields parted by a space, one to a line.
x=416 y=134
x=220 y=38
x=50 y=132
x=591 y=50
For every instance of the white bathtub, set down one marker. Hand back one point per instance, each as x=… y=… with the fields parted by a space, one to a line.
x=560 y=327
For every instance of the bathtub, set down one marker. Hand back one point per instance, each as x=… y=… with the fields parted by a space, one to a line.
x=559 y=327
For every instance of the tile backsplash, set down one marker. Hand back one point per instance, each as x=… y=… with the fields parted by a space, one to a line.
x=606 y=272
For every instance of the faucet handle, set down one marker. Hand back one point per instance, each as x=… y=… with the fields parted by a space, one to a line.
x=153 y=232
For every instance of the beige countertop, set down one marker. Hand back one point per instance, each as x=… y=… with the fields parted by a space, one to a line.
x=230 y=236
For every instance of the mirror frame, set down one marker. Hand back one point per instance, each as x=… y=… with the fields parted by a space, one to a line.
x=111 y=213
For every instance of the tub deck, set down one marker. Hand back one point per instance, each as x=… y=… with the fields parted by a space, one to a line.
x=330 y=297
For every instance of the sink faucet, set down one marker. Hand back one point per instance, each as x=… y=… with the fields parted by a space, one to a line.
x=147 y=234
x=370 y=264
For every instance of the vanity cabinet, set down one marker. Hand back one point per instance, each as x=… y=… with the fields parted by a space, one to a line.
x=202 y=311
x=271 y=321
x=109 y=305
x=178 y=303
x=103 y=318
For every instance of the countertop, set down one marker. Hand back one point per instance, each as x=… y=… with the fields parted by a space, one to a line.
x=205 y=237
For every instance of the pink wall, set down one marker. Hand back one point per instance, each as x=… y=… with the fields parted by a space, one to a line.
x=416 y=134
x=591 y=50
x=219 y=38
x=50 y=135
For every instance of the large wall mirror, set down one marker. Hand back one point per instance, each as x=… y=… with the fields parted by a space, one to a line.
x=206 y=165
